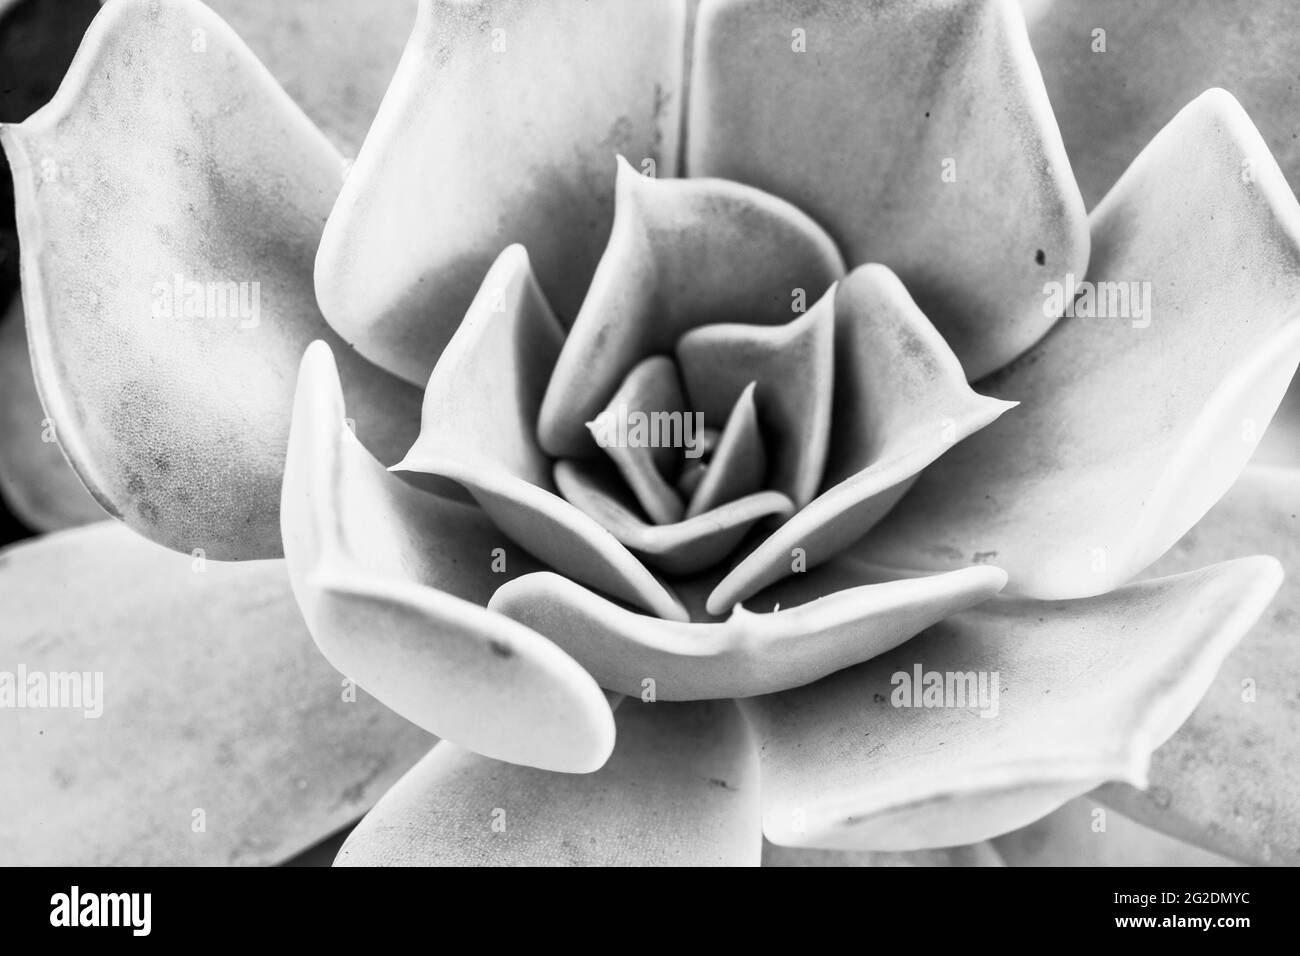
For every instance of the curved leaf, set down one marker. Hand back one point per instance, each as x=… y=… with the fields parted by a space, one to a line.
x=901 y=401
x=1083 y=833
x=747 y=654
x=680 y=790
x=392 y=582
x=738 y=466
x=793 y=366
x=224 y=737
x=919 y=135
x=652 y=386
x=170 y=201
x=477 y=429
x=681 y=548
x=1116 y=71
x=885 y=757
x=500 y=126
x=1227 y=780
x=1133 y=422
x=335 y=58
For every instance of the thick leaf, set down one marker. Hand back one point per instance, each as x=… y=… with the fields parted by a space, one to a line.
x=392 y=582
x=918 y=134
x=748 y=653
x=1117 y=70
x=1085 y=691
x=225 y=738
x=1085 y=833
x=478 y=429
x=35 y=479
x=680 y=790
x=170 y=157
x=1229 y=779
x=1131 y=426
x=334 y=57
x=901 y=401
x=501 y=126
x=683 y=253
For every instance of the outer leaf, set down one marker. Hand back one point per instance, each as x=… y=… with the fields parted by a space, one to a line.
x=334 y=57
x=169 y=153
x=1084 y=833
x=680 y=790
x=1116 y=71
x=500 y=126
x=1131 y=426
x=1229 y=779
x=919 y=134
x=224 y=738
x=1087 y=690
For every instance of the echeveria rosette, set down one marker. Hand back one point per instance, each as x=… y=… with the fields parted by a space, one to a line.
x=796 y=180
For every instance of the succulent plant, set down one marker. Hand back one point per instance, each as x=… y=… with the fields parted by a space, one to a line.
x=721 y=424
